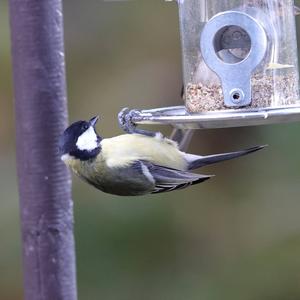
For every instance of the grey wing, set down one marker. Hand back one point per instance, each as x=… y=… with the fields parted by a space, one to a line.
x=167 y=179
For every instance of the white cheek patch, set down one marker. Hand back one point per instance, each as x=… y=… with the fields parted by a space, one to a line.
x=88 y=140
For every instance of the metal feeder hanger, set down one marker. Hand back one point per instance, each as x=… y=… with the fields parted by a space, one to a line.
x=240 y=65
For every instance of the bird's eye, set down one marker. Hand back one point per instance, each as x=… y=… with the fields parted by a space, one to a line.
x=85 y=127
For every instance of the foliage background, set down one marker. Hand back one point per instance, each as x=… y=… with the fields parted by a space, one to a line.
x=234 y=237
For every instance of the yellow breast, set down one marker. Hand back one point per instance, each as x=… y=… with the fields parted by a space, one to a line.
x=124 y=149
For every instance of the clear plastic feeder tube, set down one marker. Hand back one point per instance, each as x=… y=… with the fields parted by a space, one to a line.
x=239 y=54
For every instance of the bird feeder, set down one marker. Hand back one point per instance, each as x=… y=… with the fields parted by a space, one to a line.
x=240 y=65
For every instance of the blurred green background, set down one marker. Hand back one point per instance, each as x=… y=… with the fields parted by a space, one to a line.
x=234 y=237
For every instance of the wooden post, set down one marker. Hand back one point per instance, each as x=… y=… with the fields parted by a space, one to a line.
x=41 y=116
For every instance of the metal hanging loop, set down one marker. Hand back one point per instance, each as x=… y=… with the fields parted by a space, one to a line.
x=228 y=31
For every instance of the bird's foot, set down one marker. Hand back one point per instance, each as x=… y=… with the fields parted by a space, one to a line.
x=125 y=117
x=125 y=120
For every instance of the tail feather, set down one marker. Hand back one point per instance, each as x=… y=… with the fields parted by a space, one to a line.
x=215 y=158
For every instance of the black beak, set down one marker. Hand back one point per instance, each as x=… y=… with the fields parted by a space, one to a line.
x=93 y=121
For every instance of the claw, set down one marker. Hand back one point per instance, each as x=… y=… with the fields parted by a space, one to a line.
x=121 y=116
x=125 y=117
x=125 y=121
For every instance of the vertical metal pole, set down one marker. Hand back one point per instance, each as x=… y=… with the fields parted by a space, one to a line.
x=41 y=116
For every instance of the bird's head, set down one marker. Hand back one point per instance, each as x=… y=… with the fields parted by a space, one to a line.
x=80 y=140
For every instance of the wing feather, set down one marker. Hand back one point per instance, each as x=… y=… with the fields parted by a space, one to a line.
x=167 y=179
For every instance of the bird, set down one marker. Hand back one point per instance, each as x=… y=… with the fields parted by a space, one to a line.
x=133 y=164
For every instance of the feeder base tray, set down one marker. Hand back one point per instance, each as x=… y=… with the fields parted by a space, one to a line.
x=178 y=117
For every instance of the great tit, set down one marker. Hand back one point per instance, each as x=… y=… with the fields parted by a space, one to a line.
x=133 y=164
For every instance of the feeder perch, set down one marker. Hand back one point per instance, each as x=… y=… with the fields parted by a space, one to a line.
x=240 y=65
